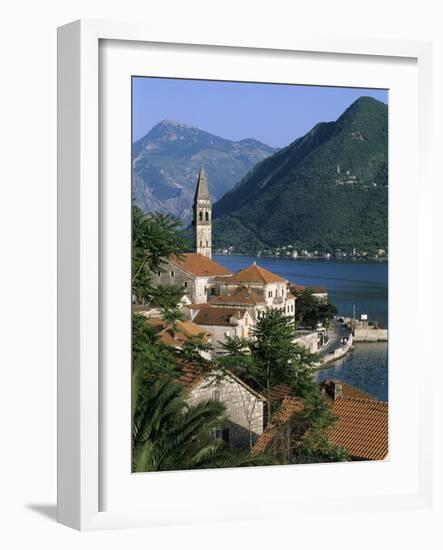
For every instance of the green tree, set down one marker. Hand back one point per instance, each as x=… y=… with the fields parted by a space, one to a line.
x=272 y=358
x=309 y=310
x=269 y=358
x=157 y=359
x=155 y=237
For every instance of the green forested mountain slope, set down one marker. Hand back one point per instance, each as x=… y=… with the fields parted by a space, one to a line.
x=326 y=190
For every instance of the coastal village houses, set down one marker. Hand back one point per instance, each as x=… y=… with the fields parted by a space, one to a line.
x=222 y=303
x=219 y=304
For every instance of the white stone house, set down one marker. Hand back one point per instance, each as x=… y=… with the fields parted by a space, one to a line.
x=195 y=273
x=271 y=288
x=223 y=322
x=244 y=406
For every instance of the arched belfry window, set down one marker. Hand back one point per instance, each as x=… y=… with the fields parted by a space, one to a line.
x=200 y=215
x=207 y=216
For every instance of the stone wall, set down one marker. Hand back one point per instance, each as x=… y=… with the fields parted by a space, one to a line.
x=194 y=287
x=370 y=334
x=244 y=409
x=308 y=341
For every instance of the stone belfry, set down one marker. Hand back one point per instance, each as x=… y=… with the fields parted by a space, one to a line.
x=202 y=217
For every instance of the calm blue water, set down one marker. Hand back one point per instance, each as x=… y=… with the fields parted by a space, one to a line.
x=362 y=283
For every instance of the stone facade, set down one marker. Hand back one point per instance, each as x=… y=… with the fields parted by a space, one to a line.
x=307 y=340
x=239 y=326
x=244 y=409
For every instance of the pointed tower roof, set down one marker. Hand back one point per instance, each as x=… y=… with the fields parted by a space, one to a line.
x=202 y=191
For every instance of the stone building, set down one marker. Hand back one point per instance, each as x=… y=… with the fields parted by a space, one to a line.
x=222 y=322
x=244 y=406
x=266 y=286
x=195 y=273
x=241 y=297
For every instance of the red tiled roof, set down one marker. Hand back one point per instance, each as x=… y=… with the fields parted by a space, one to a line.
x=220 y=316
x=183 y=331
x=279 y=392
x=199 y=265
x=241 y=295
x=361 y=426
x=288 y=409
x=255 y=274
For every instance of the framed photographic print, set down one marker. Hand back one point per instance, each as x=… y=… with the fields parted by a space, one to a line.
x=236 y=220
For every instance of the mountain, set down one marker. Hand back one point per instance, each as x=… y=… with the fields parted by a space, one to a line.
x=327 y=190
x=167 y=160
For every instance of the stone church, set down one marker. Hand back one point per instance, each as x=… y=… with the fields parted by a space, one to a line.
x=208 y=283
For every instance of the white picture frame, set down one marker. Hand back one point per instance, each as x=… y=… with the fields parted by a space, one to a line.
x=82 y=257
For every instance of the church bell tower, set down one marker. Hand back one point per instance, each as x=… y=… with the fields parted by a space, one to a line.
x=202 y=217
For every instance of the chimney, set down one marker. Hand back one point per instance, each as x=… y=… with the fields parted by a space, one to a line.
x=337 y=390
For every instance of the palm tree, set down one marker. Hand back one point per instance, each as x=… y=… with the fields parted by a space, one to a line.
x=169 y=434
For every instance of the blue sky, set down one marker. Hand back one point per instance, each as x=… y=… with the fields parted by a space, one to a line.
x=275 y=114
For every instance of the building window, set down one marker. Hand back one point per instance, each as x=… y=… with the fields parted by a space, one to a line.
x=185 y=284
x=246 y=321
x=282 y=291
x=201 y=244
x=207 y=216
x=172 y=273
x=225 y=435
x=217 y=433
x=207 y=244
x=270 y=294
x=216 y=394
x=200 y=216
x=276 y=293
x=213 y=291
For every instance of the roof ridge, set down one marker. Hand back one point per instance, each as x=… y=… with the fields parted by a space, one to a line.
x=362 y=399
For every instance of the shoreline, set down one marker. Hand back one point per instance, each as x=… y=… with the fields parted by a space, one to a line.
x=309 y=258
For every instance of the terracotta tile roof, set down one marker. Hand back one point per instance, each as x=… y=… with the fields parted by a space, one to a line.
x=199 y=265
x=219 y=316
x=361 y=426
x=290 y=407
x=255 y=274
x=241 y=295
x=279 y=392
x=191 y=376
x=197 y=306
x=183 y=330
